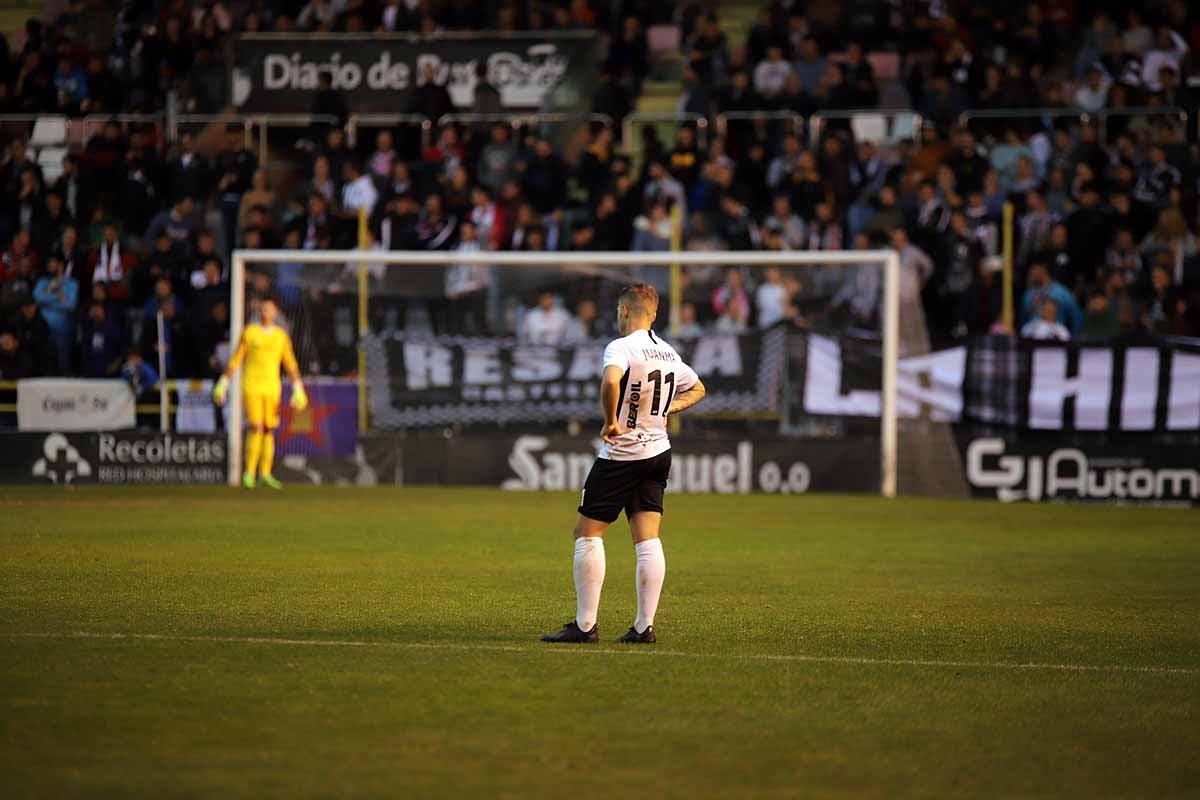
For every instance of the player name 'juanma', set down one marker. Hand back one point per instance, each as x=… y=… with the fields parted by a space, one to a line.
x=650 y=354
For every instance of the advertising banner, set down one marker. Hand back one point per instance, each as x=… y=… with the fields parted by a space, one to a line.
x=74 y=404
x=328 y=426
x=726 y=465
x=1013 y=382
x=380 y=73
x=425 y=381
x=1162 y=470
x=120 y=457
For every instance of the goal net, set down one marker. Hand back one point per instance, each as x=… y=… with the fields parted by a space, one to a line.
x=470 y=367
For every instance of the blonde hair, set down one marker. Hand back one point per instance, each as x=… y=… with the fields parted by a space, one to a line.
x=640 y=298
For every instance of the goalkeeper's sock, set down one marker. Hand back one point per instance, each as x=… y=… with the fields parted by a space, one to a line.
x=254 y=441
x=651 y=570
x=589 y=579
x=266 y=461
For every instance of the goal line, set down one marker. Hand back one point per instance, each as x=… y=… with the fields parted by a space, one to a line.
x=887 y=260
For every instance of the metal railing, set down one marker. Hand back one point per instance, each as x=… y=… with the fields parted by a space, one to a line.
x=204 y=120
x=518 y=120
x=90 y=125
x=1142 y=112
x=356 y=121
x=723 y=119
x=1044 y=116
x=877 y=125
x=632 y=122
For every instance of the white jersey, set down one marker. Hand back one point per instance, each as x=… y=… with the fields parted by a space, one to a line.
x=653 y=375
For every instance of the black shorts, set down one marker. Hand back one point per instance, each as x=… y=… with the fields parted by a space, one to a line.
x=631 y=485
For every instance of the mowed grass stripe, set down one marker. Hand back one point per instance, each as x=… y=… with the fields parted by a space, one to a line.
x=639 y=652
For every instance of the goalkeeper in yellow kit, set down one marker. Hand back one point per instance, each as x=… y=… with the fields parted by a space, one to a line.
x=264 y=347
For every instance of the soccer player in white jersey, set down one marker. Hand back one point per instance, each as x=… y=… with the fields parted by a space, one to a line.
x=644 y=382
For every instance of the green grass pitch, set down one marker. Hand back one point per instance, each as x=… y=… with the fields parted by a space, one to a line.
x=383 y=643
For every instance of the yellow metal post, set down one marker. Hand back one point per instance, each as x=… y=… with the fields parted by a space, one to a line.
x=363 y=323
x=1007 y=314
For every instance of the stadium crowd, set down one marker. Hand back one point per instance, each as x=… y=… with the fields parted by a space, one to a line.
x=1106 y=205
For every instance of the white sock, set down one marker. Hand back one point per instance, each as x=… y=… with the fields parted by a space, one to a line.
x=589 y=578
x=651 y=569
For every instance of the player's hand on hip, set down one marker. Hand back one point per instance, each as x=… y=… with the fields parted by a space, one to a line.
x=609 y=433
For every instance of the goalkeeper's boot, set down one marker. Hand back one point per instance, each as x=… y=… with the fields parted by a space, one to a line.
x=571 y=633
x=633 y=637
x=270 y=481
x=248 y=480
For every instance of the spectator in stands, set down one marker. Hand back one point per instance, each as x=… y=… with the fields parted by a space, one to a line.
x=629 y=55
x=730 y=302
x=1040 y=287
x=707 y=52
x=1046 y=325
x=689 y=328
x=825 y=232
x=916 y=267
x=100 y=338
x=652 y=231
x=258 y=195
x=57 y=298
x=1124 y=256
x=810 y=66
x=1100 y=321
x=321 y=181
x=15 y=363
x=34 y=334
x=189 y=172
x=432 y=98
x=545 y=178
x=1164 y=310
x=791 y=227
x=381 y=160
x=177 y=342
x=178 y=223
x=585 y=326
x=1171 y=235
x=140 y=376
x=1158 y=177
x=358 y=190
x=466 y=287
x=547 y=322
x=771 y=298
x=1092 y=96
x=770 y=76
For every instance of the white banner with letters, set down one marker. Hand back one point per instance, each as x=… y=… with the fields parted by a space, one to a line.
x=998 y=380
x=74 y=404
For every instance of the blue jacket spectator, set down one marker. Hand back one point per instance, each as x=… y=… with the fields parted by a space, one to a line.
x=57 y=296
x=1042 y=288
x=137 y=373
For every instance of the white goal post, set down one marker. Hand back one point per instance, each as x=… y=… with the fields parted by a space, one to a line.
x=890 y=310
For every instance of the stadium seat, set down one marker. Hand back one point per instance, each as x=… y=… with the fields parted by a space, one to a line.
x=49 y=130
x=904 y=126
x=662 y=39
x=50 y=159
x=885 y=65
x=869 y=127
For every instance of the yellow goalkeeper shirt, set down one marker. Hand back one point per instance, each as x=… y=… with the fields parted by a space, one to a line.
x=265 y=349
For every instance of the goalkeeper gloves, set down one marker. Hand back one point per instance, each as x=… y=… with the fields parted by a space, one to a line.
x=299 y=399
x=220 y=390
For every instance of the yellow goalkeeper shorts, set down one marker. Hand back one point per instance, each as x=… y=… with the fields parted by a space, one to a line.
x=262 y=409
